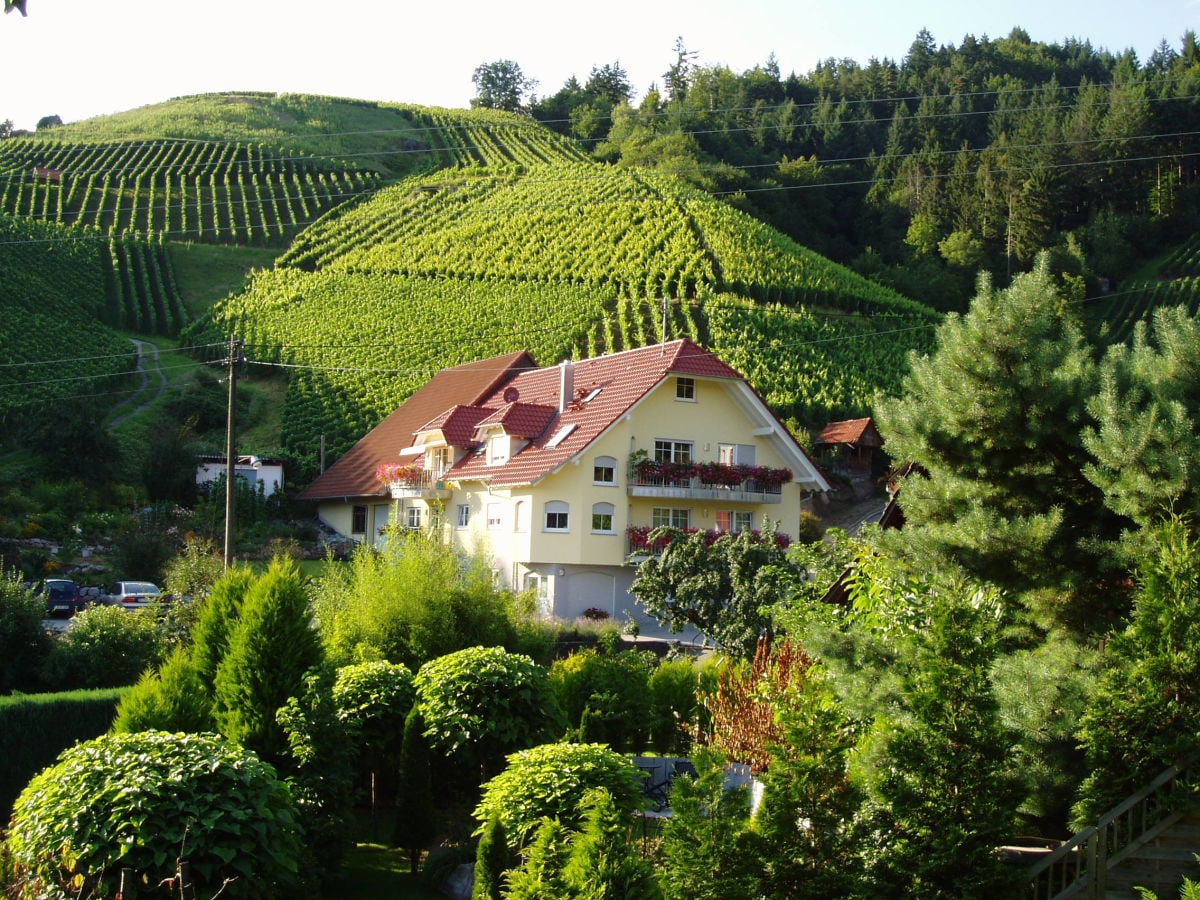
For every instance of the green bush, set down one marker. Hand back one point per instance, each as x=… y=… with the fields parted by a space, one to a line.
x=35 y=728
x=550 y=781
x=485 y=702
x=145 y=801
x=106 y=646
x=411 y=602
x=22 y=636
x=673 y=705
x=611 y=689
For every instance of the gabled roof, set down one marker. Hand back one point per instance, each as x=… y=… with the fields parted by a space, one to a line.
x=523 y=420
x=851 y=431
x=354 y=474
x=457 y=424
x=600 y=391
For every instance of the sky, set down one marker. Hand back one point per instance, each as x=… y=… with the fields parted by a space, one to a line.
x=83 y=58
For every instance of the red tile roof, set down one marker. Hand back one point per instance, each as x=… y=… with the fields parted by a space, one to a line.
x=851 y=431
x=621 y=379
x=523 y=420
x=457 y=424
x=354 y=474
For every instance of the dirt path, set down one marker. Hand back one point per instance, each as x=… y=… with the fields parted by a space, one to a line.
x=142 y=396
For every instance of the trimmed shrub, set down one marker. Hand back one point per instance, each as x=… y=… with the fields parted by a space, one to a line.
x=173 y=698
x=550 y=781
x=34 y=729
x=145 y=802
x=485 y=701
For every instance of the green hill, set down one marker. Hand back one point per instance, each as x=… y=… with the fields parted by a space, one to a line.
x=416 y=238
x=567 y=260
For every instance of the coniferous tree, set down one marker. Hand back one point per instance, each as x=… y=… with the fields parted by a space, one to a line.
x=940 y=793
x=540 y=876
x=1144 y=715
x=210 y=637
x=994 y=420
x=270 y=650
x=603 y=863
x=171 y=698
x=416 y=823
x=492 y=860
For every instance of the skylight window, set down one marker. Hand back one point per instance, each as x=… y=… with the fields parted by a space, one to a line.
x=560 y=435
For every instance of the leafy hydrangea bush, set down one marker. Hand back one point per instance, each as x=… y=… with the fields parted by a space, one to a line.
x=147 y=800
x=549 y=781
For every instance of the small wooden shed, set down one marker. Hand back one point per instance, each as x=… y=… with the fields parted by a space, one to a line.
x=854 y=442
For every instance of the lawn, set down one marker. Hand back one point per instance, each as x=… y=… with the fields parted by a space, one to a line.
x=375 y=872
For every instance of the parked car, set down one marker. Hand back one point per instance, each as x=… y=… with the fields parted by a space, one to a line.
x=62 y=595
x=134 y=594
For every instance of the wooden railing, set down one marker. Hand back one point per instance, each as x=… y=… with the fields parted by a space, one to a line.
x=1081 y=865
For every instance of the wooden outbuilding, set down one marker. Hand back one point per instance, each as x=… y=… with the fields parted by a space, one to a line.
x=854 y=442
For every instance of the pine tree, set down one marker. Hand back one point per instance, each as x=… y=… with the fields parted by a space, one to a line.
x=993 y=418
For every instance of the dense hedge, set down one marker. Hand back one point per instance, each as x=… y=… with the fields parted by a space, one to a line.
x=35 y=728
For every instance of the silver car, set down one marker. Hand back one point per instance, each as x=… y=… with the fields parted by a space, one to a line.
x=134 y=594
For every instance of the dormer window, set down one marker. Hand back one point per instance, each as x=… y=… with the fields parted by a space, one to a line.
x=685 y=388
x=498 y=447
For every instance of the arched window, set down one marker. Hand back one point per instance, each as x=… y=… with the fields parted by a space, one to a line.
x=602 y=518
x=604 y=470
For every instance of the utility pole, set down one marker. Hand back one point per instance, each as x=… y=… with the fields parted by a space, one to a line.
x=233 y=360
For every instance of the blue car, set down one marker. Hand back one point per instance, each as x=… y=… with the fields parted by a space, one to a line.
x=62 y=596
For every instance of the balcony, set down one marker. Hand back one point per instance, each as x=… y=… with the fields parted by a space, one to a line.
x=718 y=482
x=411 y=482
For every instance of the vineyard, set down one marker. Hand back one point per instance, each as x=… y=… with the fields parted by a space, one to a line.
x=563 y=259
x=55 y=314
x=181 y=190
x=1177 y=283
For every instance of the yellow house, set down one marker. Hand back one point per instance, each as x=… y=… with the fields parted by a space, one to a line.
x=558 y=473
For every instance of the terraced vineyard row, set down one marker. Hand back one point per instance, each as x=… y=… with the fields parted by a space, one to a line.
x=53 y=306
x=632 y=235
x=387 y=334
x=186 y=190
x=495 y=139
x=811 y=368
x=1113 y=317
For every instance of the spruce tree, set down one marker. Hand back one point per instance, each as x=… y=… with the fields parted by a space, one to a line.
x=603 y=863
x=270 y=650
x=171 y=698
x=210 y=637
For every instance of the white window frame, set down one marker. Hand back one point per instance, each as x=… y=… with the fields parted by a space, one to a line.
x=464 y=515
x=413 y=518
x=735 y=520
x=671 y=517
x=499 y=446
x=561 y=511
x=495 y=516
x=685 y=389
x=673 y=451
x=604 y=465
x=600 y=511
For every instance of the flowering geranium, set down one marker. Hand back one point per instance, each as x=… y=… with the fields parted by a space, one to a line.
x=392 y=472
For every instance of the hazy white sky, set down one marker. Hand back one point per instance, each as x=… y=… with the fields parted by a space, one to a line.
x=81 y=58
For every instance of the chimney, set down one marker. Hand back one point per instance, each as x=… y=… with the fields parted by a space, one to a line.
x=566 y=383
